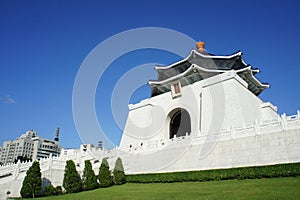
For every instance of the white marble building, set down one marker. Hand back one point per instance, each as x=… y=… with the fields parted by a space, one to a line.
x=204 y=113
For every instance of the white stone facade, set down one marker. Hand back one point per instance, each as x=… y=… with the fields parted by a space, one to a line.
x=265 y=143
x=52 y=168
x=218 y=103
x=225 y=125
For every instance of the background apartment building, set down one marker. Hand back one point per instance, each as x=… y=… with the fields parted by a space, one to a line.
x=29 y=145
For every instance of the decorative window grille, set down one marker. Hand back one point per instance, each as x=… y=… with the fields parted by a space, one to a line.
x=176 y=89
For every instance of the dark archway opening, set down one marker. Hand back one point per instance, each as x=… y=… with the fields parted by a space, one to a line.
x=180 y=124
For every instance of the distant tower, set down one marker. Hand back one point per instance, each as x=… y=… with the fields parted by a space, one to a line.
x=100 y=144
x=57 y=134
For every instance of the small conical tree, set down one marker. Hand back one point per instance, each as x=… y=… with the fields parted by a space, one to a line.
x=32 y=184
x=72 y=181
x=119 y=174
x=104 y=176
x=89 y=179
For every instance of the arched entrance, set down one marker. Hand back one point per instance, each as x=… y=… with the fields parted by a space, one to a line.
x=180 y=124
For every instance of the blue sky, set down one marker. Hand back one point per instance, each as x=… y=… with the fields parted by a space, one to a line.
x=43 y=43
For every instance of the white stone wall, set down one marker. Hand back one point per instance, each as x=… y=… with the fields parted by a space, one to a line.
x=52 y=168
x=268 y=143
x=13 y=182
x=214 y=104
x=263 y=143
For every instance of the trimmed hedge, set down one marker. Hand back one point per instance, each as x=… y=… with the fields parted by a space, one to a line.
x=50 y=190
x=269 y=171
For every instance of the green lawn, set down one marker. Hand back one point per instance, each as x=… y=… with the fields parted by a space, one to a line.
x=272 y=188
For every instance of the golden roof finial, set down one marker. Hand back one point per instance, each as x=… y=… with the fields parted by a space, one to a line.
x=200 y=46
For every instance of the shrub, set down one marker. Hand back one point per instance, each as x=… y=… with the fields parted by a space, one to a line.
x=50 y=190
x=72 y=181
x=32 y=184
x=118 y=172
x=269 y=171
x=23 y=159
x=57 y=190
x=104 y=176
x=89 y=179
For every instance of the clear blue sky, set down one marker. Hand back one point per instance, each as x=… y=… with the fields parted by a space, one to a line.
x=43 y=43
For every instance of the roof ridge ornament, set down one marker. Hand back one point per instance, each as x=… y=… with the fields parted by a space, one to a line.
x=200 y=46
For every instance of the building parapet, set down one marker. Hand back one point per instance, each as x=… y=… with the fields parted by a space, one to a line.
x=257 y=128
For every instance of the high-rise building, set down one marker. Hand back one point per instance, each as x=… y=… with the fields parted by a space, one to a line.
x=29 y=145
x=44 y=147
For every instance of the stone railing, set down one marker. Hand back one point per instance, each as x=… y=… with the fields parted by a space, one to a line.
x=13 y=171
x=259 y=127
